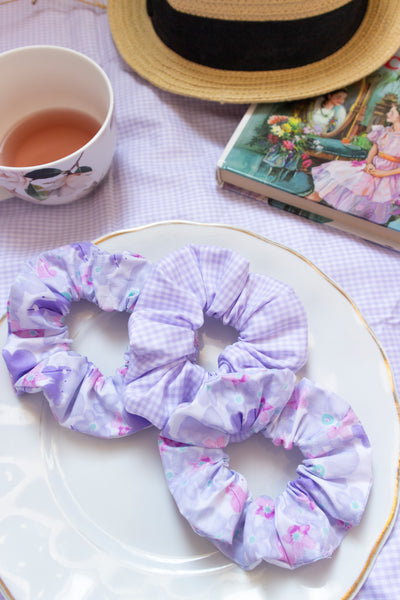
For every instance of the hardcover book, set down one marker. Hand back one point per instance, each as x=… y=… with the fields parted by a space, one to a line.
x=334 y=159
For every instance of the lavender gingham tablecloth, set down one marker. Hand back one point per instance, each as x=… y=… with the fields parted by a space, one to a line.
x=164 y=169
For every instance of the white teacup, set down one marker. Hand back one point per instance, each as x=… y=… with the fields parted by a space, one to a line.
x=56 y=114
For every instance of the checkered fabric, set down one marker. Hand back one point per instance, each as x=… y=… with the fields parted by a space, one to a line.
x=164 y=169
x=270 y=320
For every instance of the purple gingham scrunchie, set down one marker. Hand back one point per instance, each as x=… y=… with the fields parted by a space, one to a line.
x=183 y=287
x=37 y=352
x=309 y=519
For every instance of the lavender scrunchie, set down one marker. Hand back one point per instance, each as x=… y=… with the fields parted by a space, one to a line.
x=309 y=519
x=37 y=352
x=185 y=285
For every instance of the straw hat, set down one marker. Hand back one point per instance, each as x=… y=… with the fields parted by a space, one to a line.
x=254 y=50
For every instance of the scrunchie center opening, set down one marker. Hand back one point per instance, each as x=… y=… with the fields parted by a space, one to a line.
x=213 y=337
x=267 y=468
x=99 y=335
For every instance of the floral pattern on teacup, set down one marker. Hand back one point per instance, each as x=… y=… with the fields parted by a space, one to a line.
x=50 y=183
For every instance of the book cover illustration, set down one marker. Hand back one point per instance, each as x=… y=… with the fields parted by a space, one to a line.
x=341 y=150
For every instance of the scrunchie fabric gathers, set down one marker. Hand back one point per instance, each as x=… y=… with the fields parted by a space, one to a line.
x=37 y=352
x=253 y=390
x=309 y=519
x=183 y=287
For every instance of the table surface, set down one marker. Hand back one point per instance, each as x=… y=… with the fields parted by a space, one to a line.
x=164 y=169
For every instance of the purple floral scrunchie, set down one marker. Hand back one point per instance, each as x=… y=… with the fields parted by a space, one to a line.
x=306 y=522
x=37 y=352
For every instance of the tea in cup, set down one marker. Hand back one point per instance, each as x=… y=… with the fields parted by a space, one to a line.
x=57 y=131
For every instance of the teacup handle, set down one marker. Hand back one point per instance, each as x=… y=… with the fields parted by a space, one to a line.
x=5 y=194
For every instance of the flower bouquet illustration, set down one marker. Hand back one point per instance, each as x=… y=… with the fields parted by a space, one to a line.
x=288 y=141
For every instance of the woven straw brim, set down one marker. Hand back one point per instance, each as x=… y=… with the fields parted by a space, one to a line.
x=375 y=42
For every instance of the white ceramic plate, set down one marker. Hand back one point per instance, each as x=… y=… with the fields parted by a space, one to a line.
x=89 y=519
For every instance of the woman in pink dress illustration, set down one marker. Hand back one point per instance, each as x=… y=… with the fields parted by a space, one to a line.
x=371 y=188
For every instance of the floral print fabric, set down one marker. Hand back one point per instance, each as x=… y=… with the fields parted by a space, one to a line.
x=309 y=519
x=37 y=352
